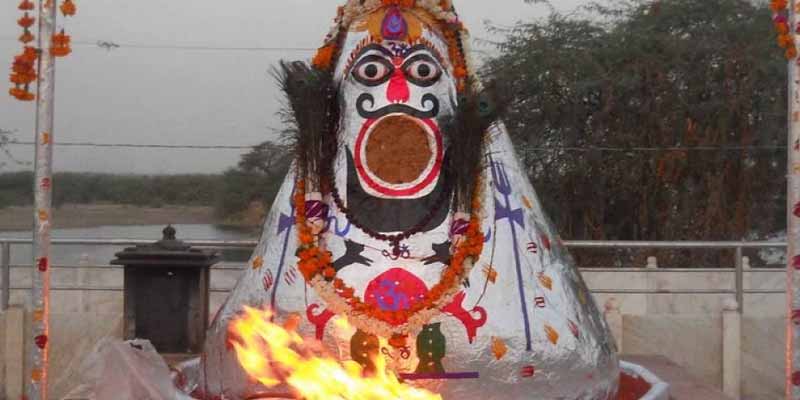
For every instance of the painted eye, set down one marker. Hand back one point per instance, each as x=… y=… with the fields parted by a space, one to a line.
x=372 y=71
x=423 y=72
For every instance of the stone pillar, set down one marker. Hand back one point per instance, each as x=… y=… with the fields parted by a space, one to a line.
x=614 y=319
x=652 y=263
x=14 y=352
x=731 y=349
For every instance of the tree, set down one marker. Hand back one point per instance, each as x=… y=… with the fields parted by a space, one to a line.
x=611 y=106
x=248 y=190
x=267 y=158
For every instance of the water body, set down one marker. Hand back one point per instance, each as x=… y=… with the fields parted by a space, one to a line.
x=102 y=255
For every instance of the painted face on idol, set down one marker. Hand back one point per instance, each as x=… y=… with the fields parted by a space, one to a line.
x=396 y=82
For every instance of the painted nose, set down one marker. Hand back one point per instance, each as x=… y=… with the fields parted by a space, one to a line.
x=398 y=92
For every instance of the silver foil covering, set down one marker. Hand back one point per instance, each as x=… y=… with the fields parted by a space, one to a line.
x=525 y=326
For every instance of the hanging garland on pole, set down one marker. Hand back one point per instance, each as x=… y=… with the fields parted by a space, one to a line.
x=781 y=19
x=23 y=67
x=24 y=71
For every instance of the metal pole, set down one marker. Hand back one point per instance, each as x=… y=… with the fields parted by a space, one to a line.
x=792 y=376
x=6 y=276
x=740 y=280
x=39 y=306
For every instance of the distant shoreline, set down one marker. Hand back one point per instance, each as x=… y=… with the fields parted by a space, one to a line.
x=94 y=215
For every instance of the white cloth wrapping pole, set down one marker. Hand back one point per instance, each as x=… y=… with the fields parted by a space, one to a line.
x=793 y=225
x=39 y=305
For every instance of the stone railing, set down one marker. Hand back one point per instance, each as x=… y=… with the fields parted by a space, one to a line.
x=724 y=325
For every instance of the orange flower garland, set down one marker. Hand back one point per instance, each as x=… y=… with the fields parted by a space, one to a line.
x=26 y=21
x=26 y=37
x=61 y=47
x=323 y=60
x=316 y=262
x=68 y=8
x=785 y=34
x=23 y=73
x=23 y=68
x=401 y=3
x=26 y=5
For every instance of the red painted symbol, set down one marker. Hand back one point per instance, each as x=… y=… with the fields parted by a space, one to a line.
x=528 y=371
x=540 y=302
x=533 y=248
x=41 y=341
x=797 y=210
x=268 y=280
x=289 y=277
x=319 y=321
x=546 y=241
x=46 y=183
x=456 y=309
x=395 y=290
x=796 y=378
x=573 y=328
x=796 y=317
x=43 y=264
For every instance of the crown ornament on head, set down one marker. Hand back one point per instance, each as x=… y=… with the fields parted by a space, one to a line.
x=441 y=10
x=439 y=14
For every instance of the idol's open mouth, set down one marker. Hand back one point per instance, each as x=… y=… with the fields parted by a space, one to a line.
x=399 y=155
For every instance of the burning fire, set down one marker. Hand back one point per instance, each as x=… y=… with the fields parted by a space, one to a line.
x=272 y=355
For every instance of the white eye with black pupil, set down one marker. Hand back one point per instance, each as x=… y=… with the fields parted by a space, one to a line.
x=423 y=71
x=371 y=71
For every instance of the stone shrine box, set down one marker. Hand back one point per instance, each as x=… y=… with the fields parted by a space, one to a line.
x=167 y=293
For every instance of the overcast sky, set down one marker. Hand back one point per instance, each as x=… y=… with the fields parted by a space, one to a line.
x=183 y=97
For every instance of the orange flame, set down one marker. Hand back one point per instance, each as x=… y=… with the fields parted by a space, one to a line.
x=274 y=355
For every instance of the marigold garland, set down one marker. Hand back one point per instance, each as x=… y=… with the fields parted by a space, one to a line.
x=68 y=8
x=61 y=44
x=23 y=73
x=23 y=67
x=26 y=21
x=785 y=35
x=26 y=37
x=316 y=266
x=26 y=5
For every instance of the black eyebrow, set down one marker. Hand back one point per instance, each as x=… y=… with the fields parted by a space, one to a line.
x=434 y=52
x=357 y=57
x=374 y=46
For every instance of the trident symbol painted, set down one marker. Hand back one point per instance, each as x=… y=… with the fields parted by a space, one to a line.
x=515 y=217
x=285 y=224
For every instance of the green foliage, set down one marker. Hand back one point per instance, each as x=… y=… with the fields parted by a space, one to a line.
x=660 y=74
x=256 y=180
x=16 y=189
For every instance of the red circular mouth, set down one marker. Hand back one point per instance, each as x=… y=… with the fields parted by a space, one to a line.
x=398 y=155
